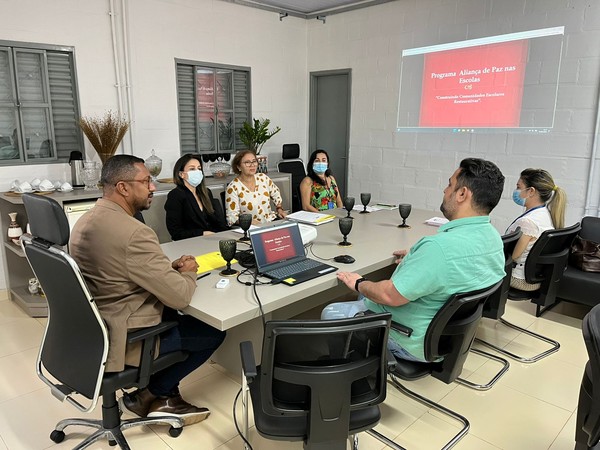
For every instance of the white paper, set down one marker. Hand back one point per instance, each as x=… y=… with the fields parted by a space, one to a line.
x=436 y=221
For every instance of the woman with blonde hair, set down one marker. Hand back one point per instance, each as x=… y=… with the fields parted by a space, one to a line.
x=545 y=205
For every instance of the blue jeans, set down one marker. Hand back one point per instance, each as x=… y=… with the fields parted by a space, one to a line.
x=191 y=335
x=344 y=310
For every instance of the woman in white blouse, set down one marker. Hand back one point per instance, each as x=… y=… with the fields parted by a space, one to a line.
x=544 y=204
x=251 y=192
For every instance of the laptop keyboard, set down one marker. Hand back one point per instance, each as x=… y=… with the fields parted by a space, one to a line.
x=293 y=269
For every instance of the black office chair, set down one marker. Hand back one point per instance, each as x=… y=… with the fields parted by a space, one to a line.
x=545 y=264
x=494 y=308
x=75 y=346
x=576 y=285
x=320 y=381
x=447 y=342
x=291 y=163
x=587 y=429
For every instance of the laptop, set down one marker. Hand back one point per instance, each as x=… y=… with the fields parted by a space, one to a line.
x=279 y=255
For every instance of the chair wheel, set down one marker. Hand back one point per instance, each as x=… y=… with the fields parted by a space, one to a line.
x=57 y=436
x=174 y=432
x=112 y=442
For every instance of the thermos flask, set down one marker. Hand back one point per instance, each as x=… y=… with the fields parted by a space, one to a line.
x=76 y=163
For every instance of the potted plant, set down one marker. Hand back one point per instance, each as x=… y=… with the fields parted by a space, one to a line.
x=254 y=137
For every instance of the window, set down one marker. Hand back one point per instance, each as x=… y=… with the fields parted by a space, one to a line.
x=214 y=102
x=39 y=110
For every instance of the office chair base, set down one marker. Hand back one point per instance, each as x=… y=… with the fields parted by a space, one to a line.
x=466 y=425
x=114 y=434
x=495 y=378
x=555 y=345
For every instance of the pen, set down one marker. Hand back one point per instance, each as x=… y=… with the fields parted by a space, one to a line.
x=203 y=275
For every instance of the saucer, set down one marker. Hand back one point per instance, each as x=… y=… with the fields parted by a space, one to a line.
x=44 y=190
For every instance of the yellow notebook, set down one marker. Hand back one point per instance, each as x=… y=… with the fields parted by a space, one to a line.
x=211 y=261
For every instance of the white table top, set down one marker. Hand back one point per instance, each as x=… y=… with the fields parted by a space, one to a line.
x=374 y=237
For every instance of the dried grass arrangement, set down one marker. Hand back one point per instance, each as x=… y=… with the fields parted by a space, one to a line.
x=104 y=133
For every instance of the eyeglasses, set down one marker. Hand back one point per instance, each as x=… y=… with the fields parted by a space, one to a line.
x=147 y=181
x=254 y=162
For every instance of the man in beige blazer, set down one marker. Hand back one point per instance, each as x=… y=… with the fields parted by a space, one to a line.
x=136 y=286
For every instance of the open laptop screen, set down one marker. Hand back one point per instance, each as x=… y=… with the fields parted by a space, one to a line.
x=276 y=244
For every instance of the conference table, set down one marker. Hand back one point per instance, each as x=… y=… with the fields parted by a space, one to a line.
x=374 y=237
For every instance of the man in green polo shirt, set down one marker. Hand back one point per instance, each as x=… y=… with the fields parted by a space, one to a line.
x=465 y=255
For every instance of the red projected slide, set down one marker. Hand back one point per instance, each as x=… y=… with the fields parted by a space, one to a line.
x=479 y=86
x=278 y=245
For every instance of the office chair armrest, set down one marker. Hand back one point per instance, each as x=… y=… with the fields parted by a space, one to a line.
x=391 y=361
x=148 y=337
x=248 y=362
x=145 y=333
x=402 y=329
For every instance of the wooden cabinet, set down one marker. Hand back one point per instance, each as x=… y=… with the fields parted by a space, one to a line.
x=16 y=268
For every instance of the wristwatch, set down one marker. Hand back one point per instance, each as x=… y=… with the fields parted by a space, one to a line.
x=357 y=282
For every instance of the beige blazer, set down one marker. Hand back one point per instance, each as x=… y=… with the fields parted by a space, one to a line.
x=128 y=274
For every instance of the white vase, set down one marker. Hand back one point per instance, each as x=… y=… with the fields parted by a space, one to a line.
x=14 y=229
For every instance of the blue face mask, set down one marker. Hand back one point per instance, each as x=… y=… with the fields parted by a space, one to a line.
x=195 y=177
x=320 y=167
x=517 y=197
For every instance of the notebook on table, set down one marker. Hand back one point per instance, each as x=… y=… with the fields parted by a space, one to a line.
x=279 y=255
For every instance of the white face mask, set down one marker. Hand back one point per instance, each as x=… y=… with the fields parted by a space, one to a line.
x=195 y=177
x=320 y=167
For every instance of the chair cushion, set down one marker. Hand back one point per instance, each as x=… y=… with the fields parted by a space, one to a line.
x=579 y=286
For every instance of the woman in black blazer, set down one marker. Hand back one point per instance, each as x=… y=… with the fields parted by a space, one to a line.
x=191 y=209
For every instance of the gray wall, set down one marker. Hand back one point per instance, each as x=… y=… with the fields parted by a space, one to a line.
x=409 y=167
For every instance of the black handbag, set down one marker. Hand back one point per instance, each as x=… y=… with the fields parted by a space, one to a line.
x=585 y=255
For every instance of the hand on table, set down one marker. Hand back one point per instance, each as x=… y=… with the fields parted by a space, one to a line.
x=186 y=263
x=348 y=278
x=399 y=254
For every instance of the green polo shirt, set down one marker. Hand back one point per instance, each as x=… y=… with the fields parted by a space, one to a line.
x=465 y=255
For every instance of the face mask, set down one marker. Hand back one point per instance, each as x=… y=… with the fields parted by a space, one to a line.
x=517 y=197
x=195 y=177
x=320 y=167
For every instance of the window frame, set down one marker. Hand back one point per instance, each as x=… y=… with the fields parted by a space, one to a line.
x=60 y=153
x=215 y=67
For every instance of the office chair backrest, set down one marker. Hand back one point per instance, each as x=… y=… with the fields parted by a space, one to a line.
x=591 y=336
x=291 y=163
x=75 y=345
x=290 y=151
x=551 y=250
x=590 y=228
x=452 y=330
x=323 y=369
x=495 y=306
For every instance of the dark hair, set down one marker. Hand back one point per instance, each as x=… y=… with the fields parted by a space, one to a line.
x=237 y=160
x=119 y=167
x=201 y=189
x=484 y=180
x=555 y=197
x=309 y=168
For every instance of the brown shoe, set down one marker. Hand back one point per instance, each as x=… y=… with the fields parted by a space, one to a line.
x=137 y=403
x=177 y=407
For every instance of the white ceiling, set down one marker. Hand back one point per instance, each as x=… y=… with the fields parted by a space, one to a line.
x=308 y=9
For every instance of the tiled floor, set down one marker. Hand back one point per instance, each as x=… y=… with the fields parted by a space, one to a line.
x=532 y=406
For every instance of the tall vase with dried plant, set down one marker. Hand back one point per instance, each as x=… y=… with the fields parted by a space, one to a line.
x=104 y=133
